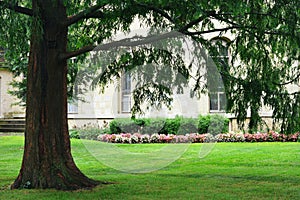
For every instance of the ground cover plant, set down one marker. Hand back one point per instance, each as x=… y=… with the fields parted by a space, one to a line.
x=267 y=170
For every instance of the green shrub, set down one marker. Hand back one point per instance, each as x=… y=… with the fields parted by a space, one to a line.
x=114 y=127
x=74 y=134
x=188 y=125
x=127 y=125
x=218 y=124
x=203 y=124
x=213 y=124
x=142 y=122
x=171 y=126
x=105 y=131
x=154 y=125
x=89 y=133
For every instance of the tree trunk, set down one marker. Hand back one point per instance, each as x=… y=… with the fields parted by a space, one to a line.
x=47 y=160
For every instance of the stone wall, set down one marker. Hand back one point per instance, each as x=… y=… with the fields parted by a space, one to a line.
x=7 y=101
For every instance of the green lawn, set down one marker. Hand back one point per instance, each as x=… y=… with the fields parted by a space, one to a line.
x=231 y=171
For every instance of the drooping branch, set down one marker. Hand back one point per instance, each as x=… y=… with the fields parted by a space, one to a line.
x=138 y=40
x=219 y=16
x=78 y=52
x=157 y=10
x=16 y=8
x=92 y=12
x=128 y=42
x=295 y=79
x=210 y=31
x=98 y=14
x=197 y=21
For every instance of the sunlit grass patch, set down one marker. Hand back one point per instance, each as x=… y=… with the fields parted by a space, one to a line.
x=230 y=171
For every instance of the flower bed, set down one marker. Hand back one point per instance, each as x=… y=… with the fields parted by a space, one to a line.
x=198 y=138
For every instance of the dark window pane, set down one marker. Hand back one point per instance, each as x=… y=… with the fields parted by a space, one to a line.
x=126 y=103
x=126 y=93
x=222 y=99
x=214 y=101
x=1 y=56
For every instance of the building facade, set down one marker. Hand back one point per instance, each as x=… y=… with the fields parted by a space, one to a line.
x=98 y=109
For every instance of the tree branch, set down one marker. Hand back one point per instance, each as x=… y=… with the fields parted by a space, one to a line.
x=127 y=42
x=210 y=31
x=137 y=40
x=289 y=82
x=197 y=21
x=78 y=52
x=98 y=14
x=16 y=8
x=92 y=12
x=157 y=10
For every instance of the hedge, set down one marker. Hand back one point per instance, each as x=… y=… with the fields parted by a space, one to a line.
x=213 y=124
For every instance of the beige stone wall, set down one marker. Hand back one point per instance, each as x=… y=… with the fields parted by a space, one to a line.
x=81 y=123
x=96 y=105
x=267 y=124
x=7 y=109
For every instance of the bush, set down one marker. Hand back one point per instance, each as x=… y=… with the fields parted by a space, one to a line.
x=154 y=125
x=218 y=124
x=114 y=127
x=105 y=131
x=127 y=125
x=188 y=125
x=123 y=125
x=74 y=134
x=203 y=124
x=171 y=126
x=213 y=124
x=89 y=133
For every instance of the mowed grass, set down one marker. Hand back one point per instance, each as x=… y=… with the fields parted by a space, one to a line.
x=230 y=171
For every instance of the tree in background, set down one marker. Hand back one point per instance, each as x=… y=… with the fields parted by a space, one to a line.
x=264 y=59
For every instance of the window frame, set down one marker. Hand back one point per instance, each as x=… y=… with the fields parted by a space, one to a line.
x=219 y=106
x=125 y=93
x=223 y=56
x=2 y=60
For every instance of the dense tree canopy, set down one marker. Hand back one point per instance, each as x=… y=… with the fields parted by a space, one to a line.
x=264 y=61
x=265 y=44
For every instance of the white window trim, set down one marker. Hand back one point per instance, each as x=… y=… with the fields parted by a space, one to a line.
x=125 y=94
x=72 y=108
x=219 y=110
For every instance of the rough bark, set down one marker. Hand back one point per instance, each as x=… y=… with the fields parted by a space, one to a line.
x=47 y=160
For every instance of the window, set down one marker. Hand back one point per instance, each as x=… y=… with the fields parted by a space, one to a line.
x=217 y=96
x=221 y=56
x=73 y=103
x=126 y=93
x=1 y=56
x=72 y=90
x=73 y=107
x=217 y=102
